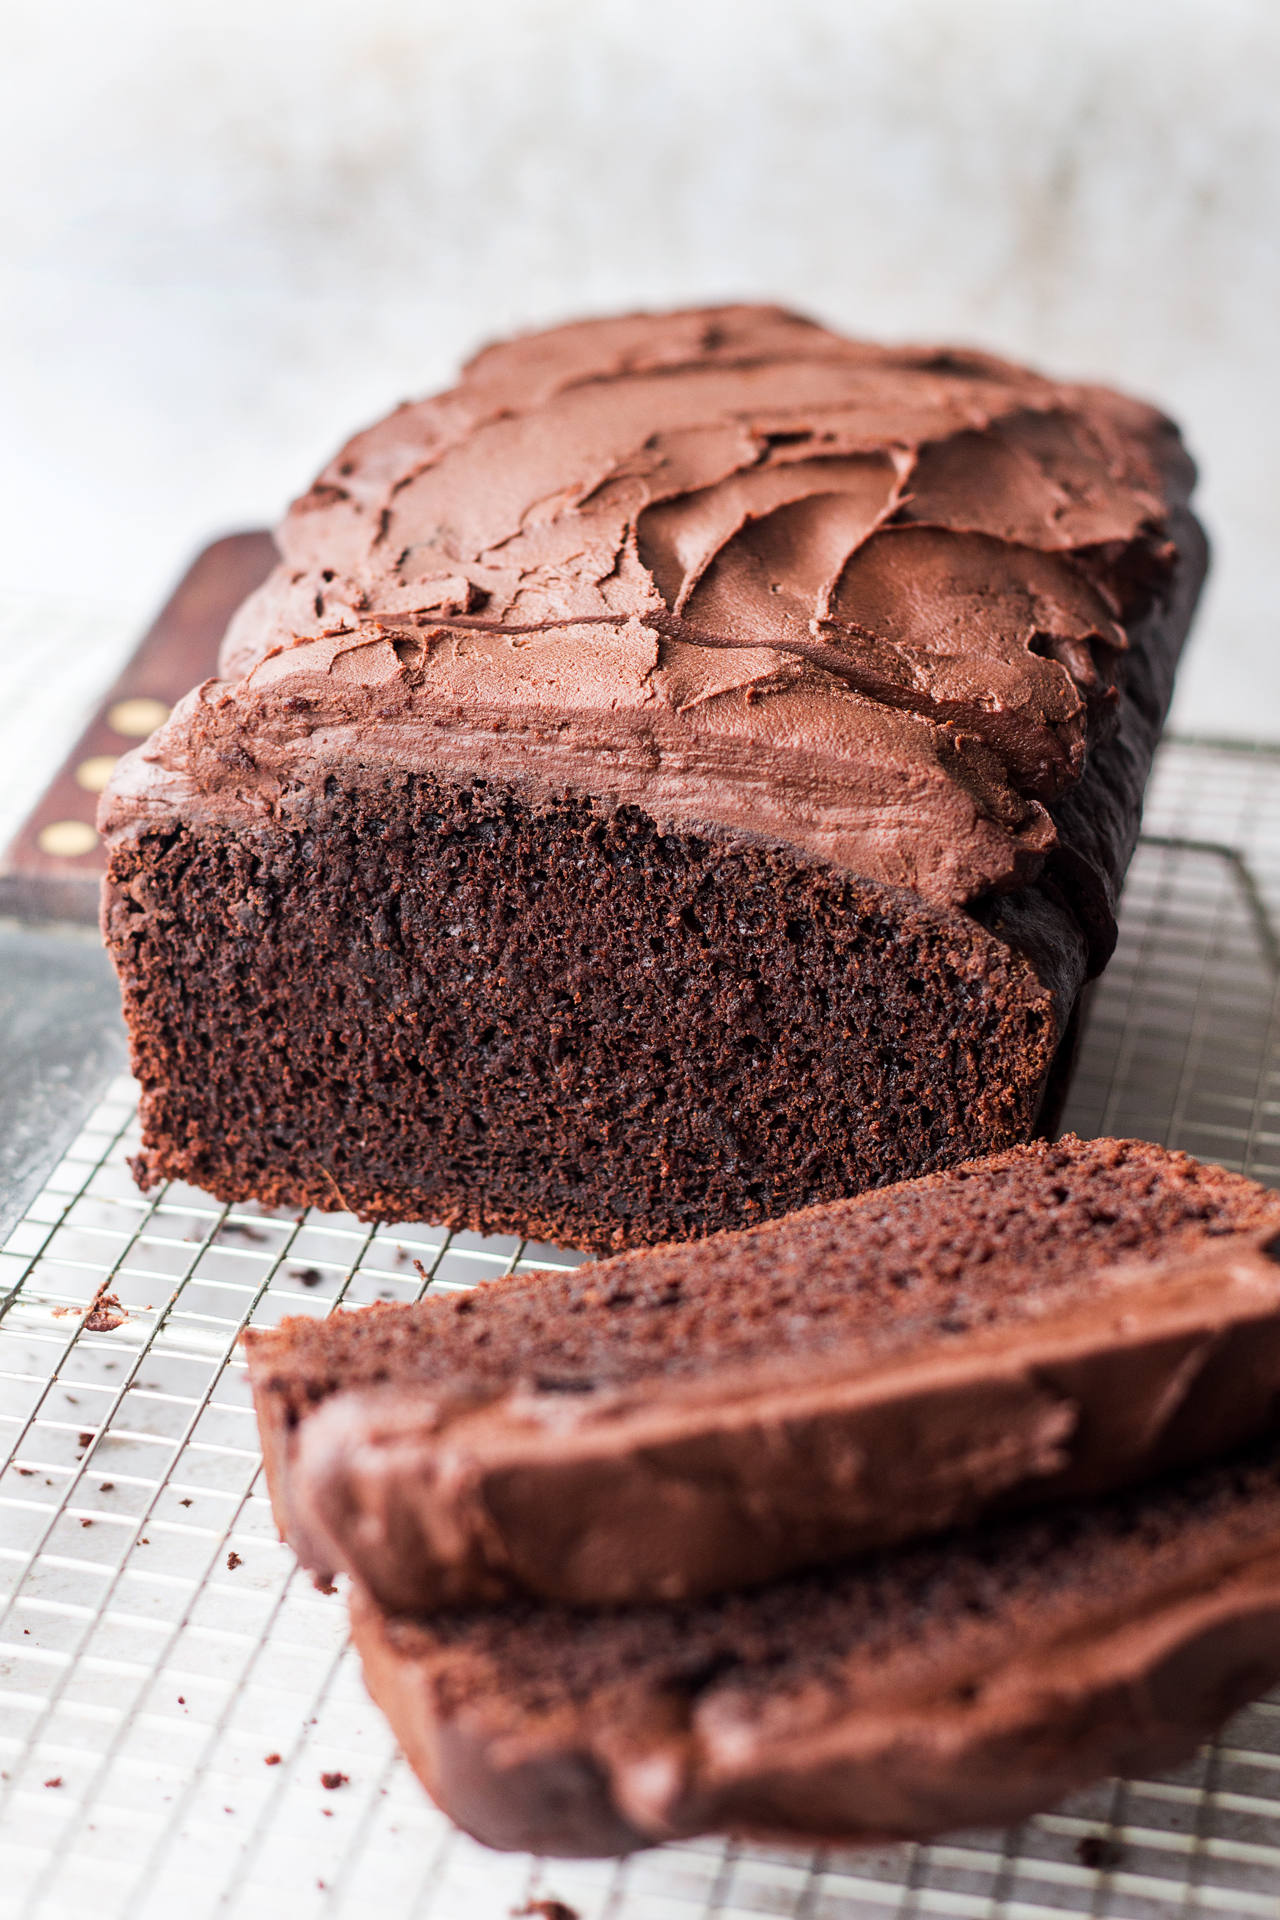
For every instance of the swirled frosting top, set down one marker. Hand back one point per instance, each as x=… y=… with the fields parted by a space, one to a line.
x=723 y=564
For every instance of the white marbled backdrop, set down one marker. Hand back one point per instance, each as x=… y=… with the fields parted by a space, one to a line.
x=230 y=234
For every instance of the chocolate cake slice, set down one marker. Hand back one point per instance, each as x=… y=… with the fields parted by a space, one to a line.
x=966 y=1682
x=681 y=775
x=694 y=1418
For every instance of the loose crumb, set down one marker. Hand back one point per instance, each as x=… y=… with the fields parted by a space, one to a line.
x=545 y=1910
x=105 y=1312
x=271 y=1760
x=333 y=1780
x=55 y=1782
x=86 y=1439
x=108 y=1486
x=184 y=1503
x=234 y=1561
x=309 y=1276
x=1098 y=1854
x=327 y=1812
x=86 y=1523
x=182 y=1700
x=323 y=1586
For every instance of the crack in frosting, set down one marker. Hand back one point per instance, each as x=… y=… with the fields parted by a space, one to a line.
x=733 y=568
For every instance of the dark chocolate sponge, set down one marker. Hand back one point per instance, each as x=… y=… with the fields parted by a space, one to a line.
x=443 y=1004
x=697 y=1417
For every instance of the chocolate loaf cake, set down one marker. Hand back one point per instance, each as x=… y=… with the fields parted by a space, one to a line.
x=966 y=1682
x=681 y=775
x=693 y=1418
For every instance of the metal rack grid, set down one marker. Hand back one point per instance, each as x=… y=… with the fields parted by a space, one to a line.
x=174 y=1691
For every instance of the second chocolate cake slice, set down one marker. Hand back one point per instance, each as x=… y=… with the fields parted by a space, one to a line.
x=966 y=1682
x=1054 y=1321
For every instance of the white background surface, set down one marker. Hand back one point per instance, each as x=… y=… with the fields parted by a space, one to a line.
x=231 y=234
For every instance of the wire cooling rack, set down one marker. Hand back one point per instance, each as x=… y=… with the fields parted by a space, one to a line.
x=173 y=1694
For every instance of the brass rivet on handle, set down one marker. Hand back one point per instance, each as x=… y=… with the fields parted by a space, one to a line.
x=94 y=773
x=67 y=838
x=137 y=717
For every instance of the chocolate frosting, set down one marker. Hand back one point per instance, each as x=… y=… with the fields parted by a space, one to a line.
x=966 y=1683
x=870 y=603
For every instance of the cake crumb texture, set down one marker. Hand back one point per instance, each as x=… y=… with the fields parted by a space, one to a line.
x=985 y=1244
